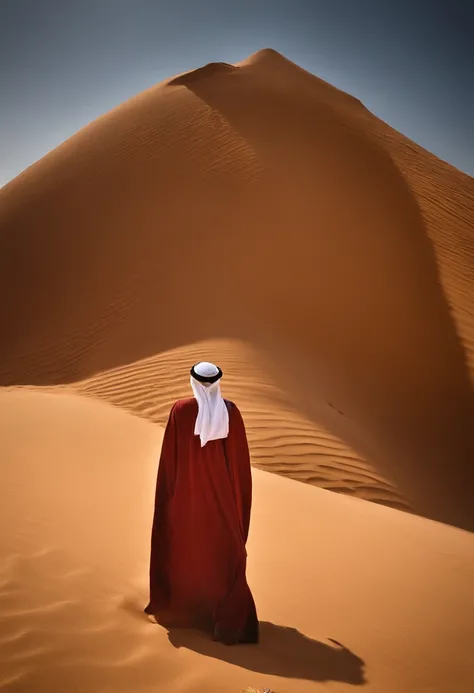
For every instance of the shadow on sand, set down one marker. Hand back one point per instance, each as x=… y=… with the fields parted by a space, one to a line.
x=282 y=651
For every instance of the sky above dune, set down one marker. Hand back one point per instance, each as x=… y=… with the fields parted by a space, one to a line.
x=64 y=63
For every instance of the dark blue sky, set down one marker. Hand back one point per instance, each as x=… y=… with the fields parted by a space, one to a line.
x=65 y=62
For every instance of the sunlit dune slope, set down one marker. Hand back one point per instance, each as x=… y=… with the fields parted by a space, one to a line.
x=256 y=202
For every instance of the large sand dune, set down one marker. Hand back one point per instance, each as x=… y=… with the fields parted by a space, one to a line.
x=257 y=216
x=77 y=476
x=256 y=202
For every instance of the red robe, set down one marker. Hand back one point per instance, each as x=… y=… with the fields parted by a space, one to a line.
x=200 y=529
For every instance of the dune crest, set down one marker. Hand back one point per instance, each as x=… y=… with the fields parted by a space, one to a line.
x=339 y=251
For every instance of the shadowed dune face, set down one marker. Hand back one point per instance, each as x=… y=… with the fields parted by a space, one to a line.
x=245 y=201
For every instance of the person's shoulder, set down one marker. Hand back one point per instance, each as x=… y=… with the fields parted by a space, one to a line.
x=233 y=408
x=183 y=405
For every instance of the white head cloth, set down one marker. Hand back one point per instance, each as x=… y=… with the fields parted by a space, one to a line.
x=212 y=422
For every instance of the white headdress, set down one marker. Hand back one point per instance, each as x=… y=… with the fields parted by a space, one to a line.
x=212 y=422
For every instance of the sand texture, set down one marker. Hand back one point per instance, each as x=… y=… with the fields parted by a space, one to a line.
x=393 y=589
x=255 y=216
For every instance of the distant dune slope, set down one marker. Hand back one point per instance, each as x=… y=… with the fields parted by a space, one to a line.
x=257 y=202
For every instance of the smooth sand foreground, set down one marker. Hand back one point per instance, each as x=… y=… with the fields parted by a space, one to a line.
x=257 y=202
x=77 y=479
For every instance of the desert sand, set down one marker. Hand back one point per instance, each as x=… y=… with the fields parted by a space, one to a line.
x=393 y=589
x=254 y=215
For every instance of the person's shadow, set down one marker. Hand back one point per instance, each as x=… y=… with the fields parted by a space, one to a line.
x=282 y=651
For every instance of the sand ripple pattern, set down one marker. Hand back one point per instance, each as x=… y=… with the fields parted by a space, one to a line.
x=132 y=166
x=282 y=440
x=58 y=631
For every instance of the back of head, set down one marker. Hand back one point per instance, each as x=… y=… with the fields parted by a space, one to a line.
x=206 y=373
x=212 y=422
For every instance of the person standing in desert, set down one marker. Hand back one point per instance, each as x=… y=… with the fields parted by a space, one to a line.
x=202 y=515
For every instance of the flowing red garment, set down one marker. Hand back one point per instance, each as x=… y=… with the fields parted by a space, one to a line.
x=200 y=528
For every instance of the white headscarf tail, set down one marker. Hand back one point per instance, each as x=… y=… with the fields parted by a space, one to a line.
x=212 y=422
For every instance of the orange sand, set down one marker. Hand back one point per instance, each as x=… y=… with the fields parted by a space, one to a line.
x=394 y=589
x=256 y=216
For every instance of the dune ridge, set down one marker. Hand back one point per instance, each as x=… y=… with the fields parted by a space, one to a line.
x=259 y=166
x=445 y=196
x=281 y=439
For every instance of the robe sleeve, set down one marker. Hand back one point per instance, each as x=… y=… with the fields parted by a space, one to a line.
x=159 y=587
x=241 y=469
